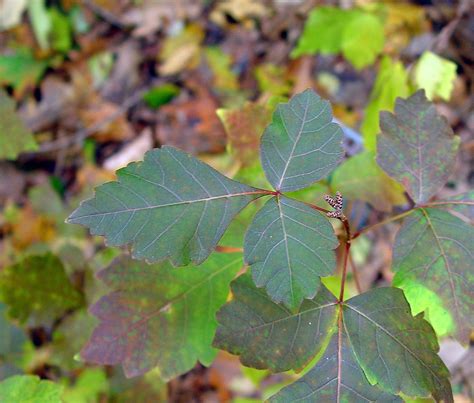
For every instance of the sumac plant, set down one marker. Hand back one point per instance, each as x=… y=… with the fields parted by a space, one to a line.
x=172 y=210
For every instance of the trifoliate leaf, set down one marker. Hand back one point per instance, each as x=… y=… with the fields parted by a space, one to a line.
x=433 y=249
x=29 y=389
x=37 y=288
x=396 y=350
x=361 y=178
x=417 y=147
x=171 y=205
x=302 y=145
x=391 y=82
x=289 y=246
x=435 y=75
x=159 y=316
x=371 y=339
x=14 y=135
x=268 y=335
x=337 y=377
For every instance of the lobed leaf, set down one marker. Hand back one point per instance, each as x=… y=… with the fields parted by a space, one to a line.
x=396 y=350
x=29 y=388
x=302 y=145
x=289 y=246
x=361 y=178
x=433 y=249
x=417 y=147
x=159 y=316
x=37 y=288
x=391 y=82
x=268 y=335
x=171 y=205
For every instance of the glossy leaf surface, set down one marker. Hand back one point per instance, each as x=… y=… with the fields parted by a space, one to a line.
x=268 y=335
x=289 y=246
x=37 y=288
x=395 y=349
x=337 y=377
x=29 y=388
x=302 y=145
x=361 y=178
x=417 y=146
x=170 y=205
x=159 y=316
x=434 y=249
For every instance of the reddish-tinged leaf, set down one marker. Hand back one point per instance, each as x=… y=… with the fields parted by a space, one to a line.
x=417 y=147
x=159 y=316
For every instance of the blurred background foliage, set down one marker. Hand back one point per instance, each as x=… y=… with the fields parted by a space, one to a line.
x=89 y=86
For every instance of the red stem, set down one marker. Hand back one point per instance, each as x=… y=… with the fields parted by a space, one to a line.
x=346 y=257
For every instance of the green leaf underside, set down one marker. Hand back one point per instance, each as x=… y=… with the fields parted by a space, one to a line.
x=37 y=288
x=394 y=350
x=159 y=316
x=302 y=145
x=12 y=338
x=324 y=383
x=434 y=249
x=268 y=335
x=289 y=246
x=14 y=135
x=170 y=205
x=360 y=178
x=417 y=146
x=29 y=388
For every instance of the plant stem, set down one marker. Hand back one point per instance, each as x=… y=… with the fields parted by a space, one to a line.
x=383 y=222
x=314 y=207
x=347 y=250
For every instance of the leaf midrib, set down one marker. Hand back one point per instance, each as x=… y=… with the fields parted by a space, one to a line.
x=184 y=202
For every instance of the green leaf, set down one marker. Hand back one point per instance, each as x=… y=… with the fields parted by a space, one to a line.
x=461 y=204
x=395 y=350
x=391 y=82
x=40 y=22
x=363 y=28
x=376 y=341
x=15 y=137
x=433 y=249
x=160 y=95
x=268 y=335
x=289 y=246
x=417 y=147
x=331 y=30
x=323 y=31
x=435 y=75
x=337 y=377
x=89 y=385
x=302 y=145
x=37 y=288
x=220 y=64
x=21 y=70
x=370 y=183
x=159 y=316
x=171 y=205
x=29 y=389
